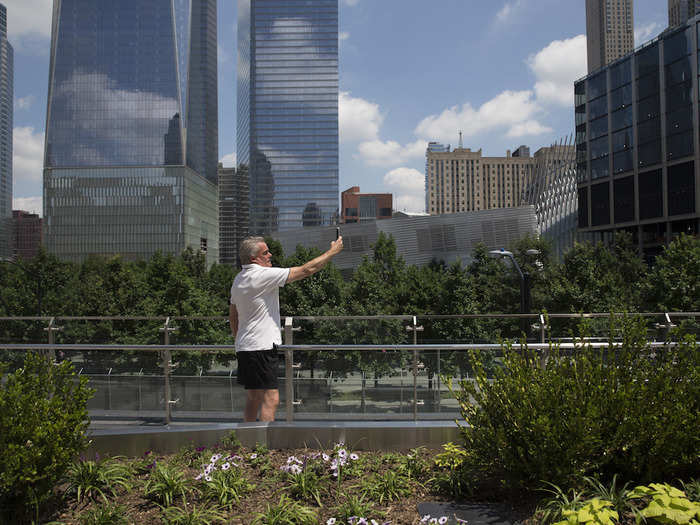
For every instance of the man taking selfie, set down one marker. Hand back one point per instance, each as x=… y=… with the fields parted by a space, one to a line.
x=254 y=316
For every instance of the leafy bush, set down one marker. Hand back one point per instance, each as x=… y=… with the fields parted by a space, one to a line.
x=226 y=486
x=43 y=417
x=631 y=410
x=166 y=483
x=286 y=512
x=668 y=505
x=595 y=511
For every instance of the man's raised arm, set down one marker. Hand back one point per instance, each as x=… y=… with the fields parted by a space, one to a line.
x=314 y=265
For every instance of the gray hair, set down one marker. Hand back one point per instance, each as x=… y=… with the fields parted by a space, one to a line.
x=249 y=249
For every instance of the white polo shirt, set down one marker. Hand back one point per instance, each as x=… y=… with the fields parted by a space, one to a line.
x=255 y=293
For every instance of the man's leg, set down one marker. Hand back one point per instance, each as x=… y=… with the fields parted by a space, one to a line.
x=253 y=402
x=270 y=401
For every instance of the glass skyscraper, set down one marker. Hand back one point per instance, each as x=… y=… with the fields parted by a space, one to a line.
x=6 y=99
x=130 y=164
x=288 y=111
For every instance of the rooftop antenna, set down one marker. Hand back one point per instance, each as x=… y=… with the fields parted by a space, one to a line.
x=460 y=140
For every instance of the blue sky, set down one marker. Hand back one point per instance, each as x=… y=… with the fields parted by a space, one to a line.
x=411 y=71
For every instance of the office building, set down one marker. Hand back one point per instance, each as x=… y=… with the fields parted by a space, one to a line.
x=680 y=11
x=287 y=136
x=419 y=239
x=461 y=180
x=361 y=207
x=233 y=213
x=26 y=234
x=609 y=31
x=636 y=143
x=6 y=102
x=131 y=136
x=552 y=192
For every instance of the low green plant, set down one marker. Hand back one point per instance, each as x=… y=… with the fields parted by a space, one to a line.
x=595 y=511
x=286 y=512
x=619 y=496
x=231 y=441
x=451 y=477
x=352 y=506
x=226 y=487
x=43 y=417
x=666 y=504
x=105 y=514
x=691 y=489
x=387 y=486
x=558 y=502
x=166 y=483
x=192 y=515
x=305 y=485
x=260 y=459
x=413 y=464
x=90 y=479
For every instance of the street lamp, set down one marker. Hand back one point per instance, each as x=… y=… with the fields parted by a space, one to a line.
x=524 y=283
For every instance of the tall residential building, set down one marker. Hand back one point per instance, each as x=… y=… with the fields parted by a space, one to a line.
x=233 y=213
x=638 y=163
x=6 y=101
x=132 y=134
x=361 y=207
x=680 y=11
x=462 y=180
x=26 y=234
x=609 y=31
x=288 y=111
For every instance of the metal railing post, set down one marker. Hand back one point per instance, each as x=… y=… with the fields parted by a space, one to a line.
x=109 y=389
x=167 y=365
x=51 y=329
x=667 y=325
x=288 y=369
x=415 y=329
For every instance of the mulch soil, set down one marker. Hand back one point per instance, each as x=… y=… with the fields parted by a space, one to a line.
x=270 y=484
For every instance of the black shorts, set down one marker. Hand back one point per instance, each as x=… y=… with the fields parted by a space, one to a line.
x=257 y=370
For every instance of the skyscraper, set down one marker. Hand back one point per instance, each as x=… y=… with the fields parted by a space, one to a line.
x=609 y=31
x=679 y=11
x=131 y=135
x=288 y=111
x=6 y=100
x=233 y=213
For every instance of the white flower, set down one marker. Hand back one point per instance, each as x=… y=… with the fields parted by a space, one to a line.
x=330 y=521
x=253 y=456
x=225 y=466
x=442 y=520
x=325 y=457
x=236 y=456
x=199 y=477
x=208 y=478
x=354 y=456
x=425 y=518
x=215 y=458
x=342 y=453
x=295 y=469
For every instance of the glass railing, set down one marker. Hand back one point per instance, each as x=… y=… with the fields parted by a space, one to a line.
x=341 y=368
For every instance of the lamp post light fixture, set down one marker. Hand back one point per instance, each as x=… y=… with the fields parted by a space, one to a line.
x=524 y=282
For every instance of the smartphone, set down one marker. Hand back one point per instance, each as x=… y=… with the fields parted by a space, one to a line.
x=337 y=232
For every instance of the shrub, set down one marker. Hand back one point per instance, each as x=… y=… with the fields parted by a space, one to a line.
x=632 y=410
x=106 y=514
x=286 y=512
x=43 y=417
x=166 y=483
x=89 y=479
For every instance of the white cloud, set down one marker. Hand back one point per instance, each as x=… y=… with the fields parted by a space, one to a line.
x=527 y=129
x=27 y=154
x=645 y=32
x=390 y=152
x=30 y=204
x=229 y=160
x=508 y=10
x=556 y=67
x=343 y=35
x=24 y=102
x=29 y=25
x=358 y=119
x=409 y=189
x=505 y=110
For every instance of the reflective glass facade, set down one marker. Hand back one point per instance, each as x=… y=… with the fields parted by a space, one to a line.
x=6 y=94
x=132 y=108
x=637 y=154
x=287 y=135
